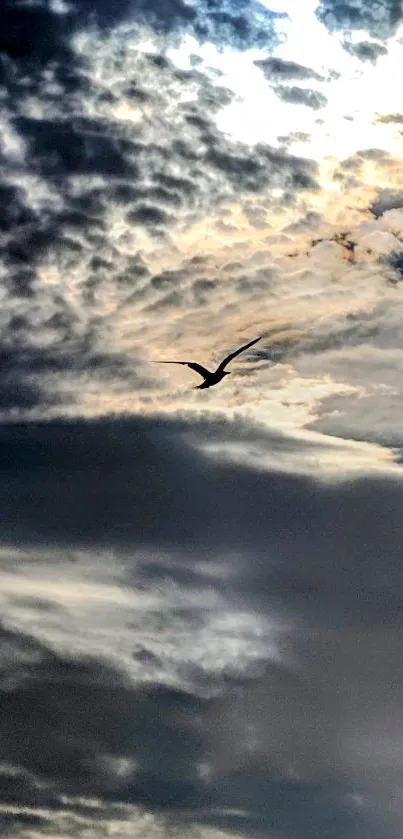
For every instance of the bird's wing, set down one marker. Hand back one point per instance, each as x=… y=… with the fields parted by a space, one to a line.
x=233 y=354
x=193 y=365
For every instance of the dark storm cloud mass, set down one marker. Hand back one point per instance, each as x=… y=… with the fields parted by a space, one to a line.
x=301 y=96
x=152 y=480
x=380 y=18
x=91 y=718
x=106 y=449
x=285 y=748
x=86 y=711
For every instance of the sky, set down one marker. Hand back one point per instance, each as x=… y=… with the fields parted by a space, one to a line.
x=201 y=591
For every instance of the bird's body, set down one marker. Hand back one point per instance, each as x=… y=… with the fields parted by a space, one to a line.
x=213 y=378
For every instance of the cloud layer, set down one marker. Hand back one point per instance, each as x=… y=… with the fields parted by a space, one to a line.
x=264 y=723
x=200 y=591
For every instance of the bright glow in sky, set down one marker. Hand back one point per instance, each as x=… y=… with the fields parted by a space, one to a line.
x=258 y=115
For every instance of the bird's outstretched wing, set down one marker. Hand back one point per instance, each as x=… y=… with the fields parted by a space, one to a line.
x=193 y=365
x=233 y=354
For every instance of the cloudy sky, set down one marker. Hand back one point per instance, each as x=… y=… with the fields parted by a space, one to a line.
x=201 y=591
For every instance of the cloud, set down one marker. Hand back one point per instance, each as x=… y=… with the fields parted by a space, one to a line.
x=115 y=182
x=249 y=26
x=295 y=136
x=30 y=373
x=386 y=200
x=276 y=69
x=86 y=741
x=241 y=26
x=104 y=738
x=370 y=341
x=390 y=118
x=35 y=36
x=201 y=612
x=125 y=451
x=395 y=260
x=301 y=96
x=63 y=461
x=379 y=19
x=57 y=149
x=365 y=50
x=279 y=744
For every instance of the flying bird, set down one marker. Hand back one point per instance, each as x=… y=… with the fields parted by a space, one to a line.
x=210 y=378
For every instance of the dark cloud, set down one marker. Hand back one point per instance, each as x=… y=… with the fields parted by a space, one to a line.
x=35 y=35
x=281 y=748
x=293 y=808
x=276 y=69
x=85 y=711
x=264 y=166
x=15 y=211
x=241 y=24
x=151 y=485
x=310 y=221
x=301 y=96
x=387 y=200
x=380 y=18
x=147 y=215
x=32 y=374
x=92 y=718
x=58 y=148
x=395 y=262
x=40 y=35
x=85 y=450
x=365 y=50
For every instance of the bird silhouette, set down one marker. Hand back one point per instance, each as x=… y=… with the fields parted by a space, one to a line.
x=213 y=378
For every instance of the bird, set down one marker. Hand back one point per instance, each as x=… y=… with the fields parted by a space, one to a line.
x=213 y=378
